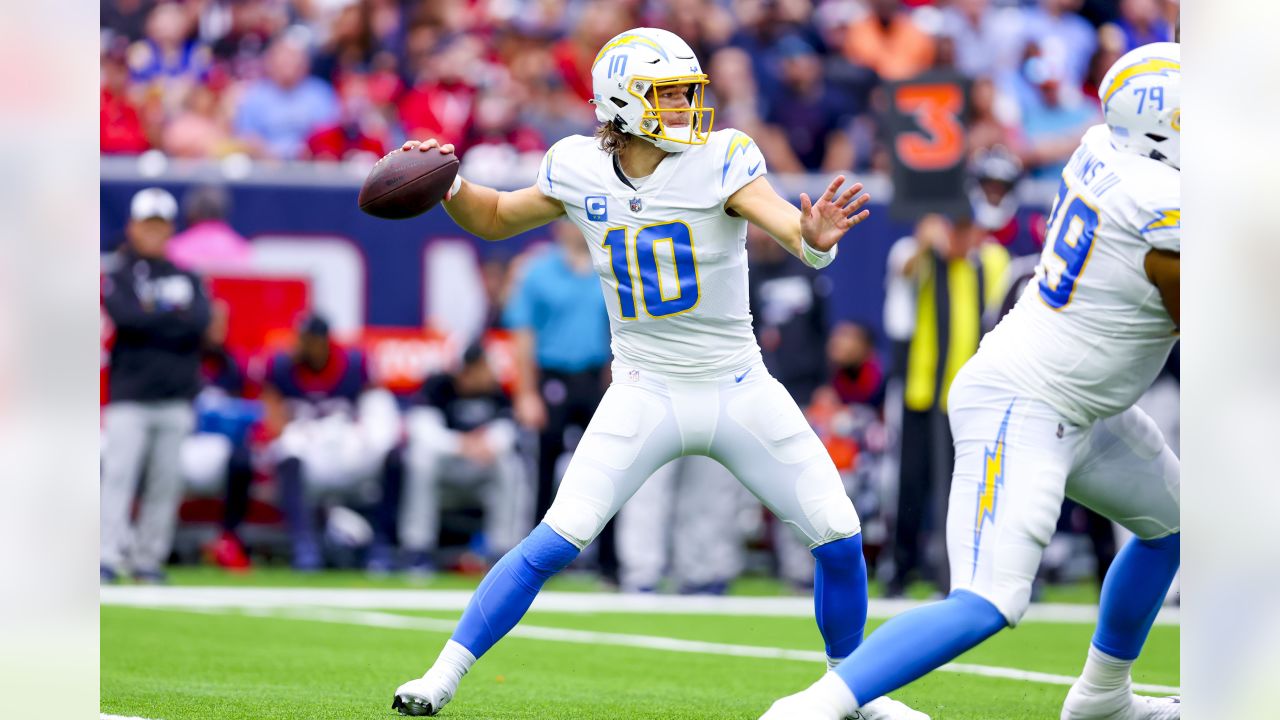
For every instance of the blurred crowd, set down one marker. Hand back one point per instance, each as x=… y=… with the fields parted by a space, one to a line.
x=503 y=79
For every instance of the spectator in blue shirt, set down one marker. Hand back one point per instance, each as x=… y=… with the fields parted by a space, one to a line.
x=562 y=350
x=1053 y=113
x=282 y=109
x=1064 y=38
x=1141 y=23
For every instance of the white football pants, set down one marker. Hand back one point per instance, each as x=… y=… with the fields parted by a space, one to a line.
x=1016 y=458
x=745 y=420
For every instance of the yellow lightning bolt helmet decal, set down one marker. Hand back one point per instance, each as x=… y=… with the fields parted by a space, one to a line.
x=625 y=41
x=992 y=481
x=1150 y=66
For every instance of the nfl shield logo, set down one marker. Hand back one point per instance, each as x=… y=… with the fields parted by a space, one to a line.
x=636 y=206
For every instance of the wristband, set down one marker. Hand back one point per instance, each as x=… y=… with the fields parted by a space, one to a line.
x=817 y=259
x=457 y=185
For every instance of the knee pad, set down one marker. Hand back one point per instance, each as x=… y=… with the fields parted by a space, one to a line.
x=1138 y=431
x=826 y=507
x=580 y=514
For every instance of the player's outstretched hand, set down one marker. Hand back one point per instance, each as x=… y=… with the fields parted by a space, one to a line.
x=824 y=223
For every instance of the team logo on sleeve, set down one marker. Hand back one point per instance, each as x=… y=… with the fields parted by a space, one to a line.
x=597 y=208
x=992 y=481
x=1169 y=219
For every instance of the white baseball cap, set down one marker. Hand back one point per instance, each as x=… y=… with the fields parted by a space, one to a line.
x=153 y=203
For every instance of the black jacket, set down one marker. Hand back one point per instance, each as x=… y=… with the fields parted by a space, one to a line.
x=160 y=314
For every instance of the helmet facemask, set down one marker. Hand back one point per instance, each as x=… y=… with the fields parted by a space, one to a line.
x=683 y=126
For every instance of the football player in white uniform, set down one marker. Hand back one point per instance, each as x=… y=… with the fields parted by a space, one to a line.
x=1046 y=409
x=664 y=202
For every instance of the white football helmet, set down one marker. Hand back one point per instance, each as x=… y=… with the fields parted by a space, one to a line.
x=627 y=77
x=1142 y=100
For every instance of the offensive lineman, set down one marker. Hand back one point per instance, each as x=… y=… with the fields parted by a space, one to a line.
x=1046 y=407
x=663 y=203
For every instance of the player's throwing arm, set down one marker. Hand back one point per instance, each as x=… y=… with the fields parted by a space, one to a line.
x=488 y=213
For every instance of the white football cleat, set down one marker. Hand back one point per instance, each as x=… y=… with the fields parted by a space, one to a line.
x=426 y=695
x=885 y=708
x=803 y=706
x=1087 y=703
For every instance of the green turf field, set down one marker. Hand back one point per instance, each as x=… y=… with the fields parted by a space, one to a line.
x=174 y=663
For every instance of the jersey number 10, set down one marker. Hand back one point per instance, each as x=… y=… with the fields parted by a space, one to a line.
x=1072 y=223
x=661 y=296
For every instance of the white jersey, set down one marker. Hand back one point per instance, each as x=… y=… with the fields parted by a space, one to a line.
x=672 y=263
x=1090 y=333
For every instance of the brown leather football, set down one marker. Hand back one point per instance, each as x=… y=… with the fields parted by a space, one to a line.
x=407 y=183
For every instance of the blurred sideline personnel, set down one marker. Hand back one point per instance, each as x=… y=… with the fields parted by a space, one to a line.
x=663 y=203
x=461 y=440
x=945 y=275
x=216 y=457
x=1042 y=411
x=334 y=427
x=683 y=523
x=561 y=350
x=209 y=244
x=160 y=314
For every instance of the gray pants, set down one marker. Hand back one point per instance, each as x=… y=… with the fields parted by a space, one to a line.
x=432 y=480
x=139 y=433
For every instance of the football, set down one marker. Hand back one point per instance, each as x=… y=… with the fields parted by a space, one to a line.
x=407 y=183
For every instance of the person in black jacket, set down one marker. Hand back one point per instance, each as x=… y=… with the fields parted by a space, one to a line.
x=160 y=314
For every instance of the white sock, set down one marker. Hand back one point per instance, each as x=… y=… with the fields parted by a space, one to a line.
x=454 y=661
x=833 y=662
x=1105 y=672
x=831 y=691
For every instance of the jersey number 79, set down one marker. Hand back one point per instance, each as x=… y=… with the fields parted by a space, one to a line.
x=660 y=296
x=1072 y=224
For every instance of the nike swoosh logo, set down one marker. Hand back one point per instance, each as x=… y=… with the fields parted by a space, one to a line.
x=738 y=378
x=752 y=170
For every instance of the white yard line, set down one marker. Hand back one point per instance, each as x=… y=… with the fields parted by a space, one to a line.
x=241 y=597
x=105 y=716
x=369 y=618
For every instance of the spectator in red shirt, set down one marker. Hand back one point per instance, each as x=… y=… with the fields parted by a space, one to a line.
x=121 y=129
x=500 y=143
x=574 y=55
x=359 y=131
x=442 y=102
x=856 y=372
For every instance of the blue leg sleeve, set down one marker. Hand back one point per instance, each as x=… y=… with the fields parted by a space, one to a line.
x=508 y=590
x=1133 y=592
x=916 y=642
x=840 y=594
